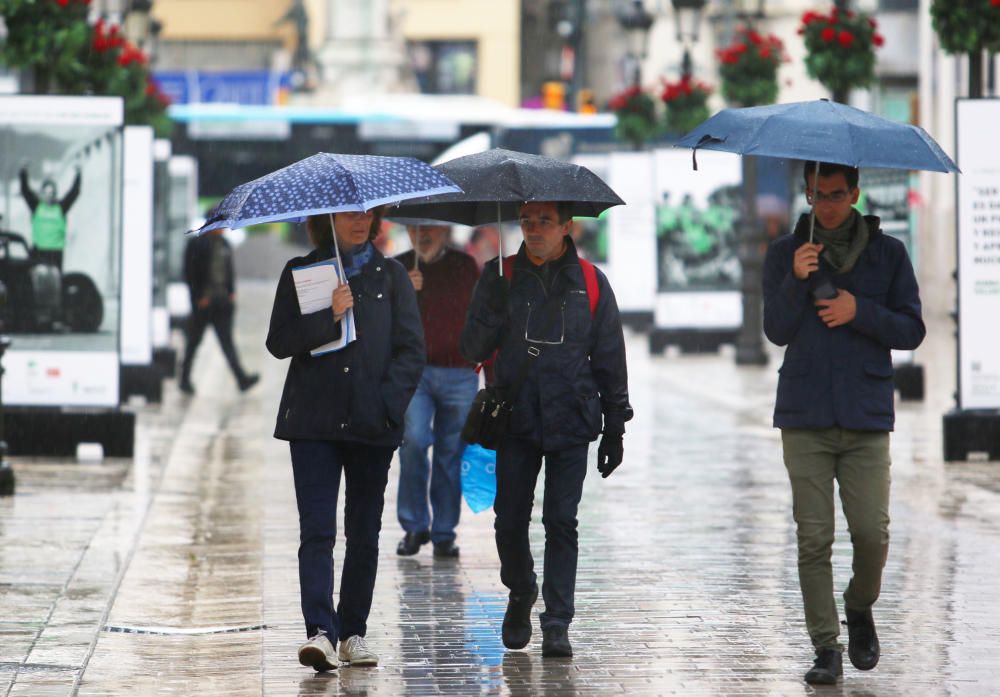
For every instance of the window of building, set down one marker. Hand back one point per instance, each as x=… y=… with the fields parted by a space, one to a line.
x=444 y=67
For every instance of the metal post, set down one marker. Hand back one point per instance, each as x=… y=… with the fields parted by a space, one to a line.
x=749 y=343
x=6 y=471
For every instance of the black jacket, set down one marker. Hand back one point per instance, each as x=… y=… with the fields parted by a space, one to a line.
x=198 y=265
x=573 y=382
x=841 y=376
x=359 y=393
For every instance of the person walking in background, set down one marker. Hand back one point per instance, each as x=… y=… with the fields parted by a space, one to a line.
x=208 y=271
x=578 y=377
x=839 y=305
x=343 y=412
x=48 y=216
x=443 y=278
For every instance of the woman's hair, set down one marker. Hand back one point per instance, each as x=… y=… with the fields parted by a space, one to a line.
x=321 y=232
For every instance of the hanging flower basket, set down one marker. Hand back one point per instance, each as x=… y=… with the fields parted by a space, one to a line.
x=687 y=104
x=963 y=26
x=840 y=48
x=749 y=68
x=636 y=112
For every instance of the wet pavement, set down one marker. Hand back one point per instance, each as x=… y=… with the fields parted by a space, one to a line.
x=174 y=573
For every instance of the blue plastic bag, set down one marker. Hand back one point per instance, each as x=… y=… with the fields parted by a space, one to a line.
x=479 y=477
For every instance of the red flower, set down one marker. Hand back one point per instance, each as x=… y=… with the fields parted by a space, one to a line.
x=827 y=34
x=739 y=48
x=810 y=16
x=878 y=39
x=62 y=3
x=872 y=23
x=995 y=3
x=755 y=38
x=845 y=38
x=765 y=52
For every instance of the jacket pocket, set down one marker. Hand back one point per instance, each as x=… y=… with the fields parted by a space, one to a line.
x=793 y=387
x=878 y=389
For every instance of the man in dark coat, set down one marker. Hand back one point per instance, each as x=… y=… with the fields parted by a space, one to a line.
x=577 y=380
x=208 y=270
x=839 y=305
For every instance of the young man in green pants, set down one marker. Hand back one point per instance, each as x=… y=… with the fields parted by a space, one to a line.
x=839 y=303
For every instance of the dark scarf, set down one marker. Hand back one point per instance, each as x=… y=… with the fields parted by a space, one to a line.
x=842 y=246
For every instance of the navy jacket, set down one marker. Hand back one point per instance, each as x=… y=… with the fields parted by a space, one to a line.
x=572 y=383
x=360 y=392
x=841 y=376
x=198 y=265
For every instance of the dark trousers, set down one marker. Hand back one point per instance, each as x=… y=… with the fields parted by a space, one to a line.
x=50 y=256
x=220 y=316
x=518 y=464
x=317 y=465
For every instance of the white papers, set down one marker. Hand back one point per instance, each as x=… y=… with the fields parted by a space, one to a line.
x=314 y=286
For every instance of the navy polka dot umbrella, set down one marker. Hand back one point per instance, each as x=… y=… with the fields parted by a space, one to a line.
x=327 y=183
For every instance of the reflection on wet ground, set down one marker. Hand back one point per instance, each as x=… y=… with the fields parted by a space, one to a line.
x=687 y=578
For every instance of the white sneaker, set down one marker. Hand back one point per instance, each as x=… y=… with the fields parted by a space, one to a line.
x=354 y=650
x=318 y=653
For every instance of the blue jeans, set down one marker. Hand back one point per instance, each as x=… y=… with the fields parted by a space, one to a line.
x=435 y=417
x=519 y=462
x=317 y=465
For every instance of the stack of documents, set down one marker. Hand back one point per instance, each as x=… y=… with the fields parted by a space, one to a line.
x=314 y=286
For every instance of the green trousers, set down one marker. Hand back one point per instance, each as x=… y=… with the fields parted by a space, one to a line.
x=859 y=461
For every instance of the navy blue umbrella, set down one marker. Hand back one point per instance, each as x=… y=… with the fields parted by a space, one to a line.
x=820 y=130
x=327 y=183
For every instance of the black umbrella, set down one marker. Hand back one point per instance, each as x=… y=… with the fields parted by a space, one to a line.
x=496 y=182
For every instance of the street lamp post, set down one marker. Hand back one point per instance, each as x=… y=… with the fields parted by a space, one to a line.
x=636 y=22
x=749 y=342
x=687 y=21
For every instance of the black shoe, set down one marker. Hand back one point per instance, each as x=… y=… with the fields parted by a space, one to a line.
x=446 y=550
x=249 y=381
x=862 y=645
x=186 y=387
x=412 y=542
x=555 y=642
x=827 y=668
x=516 y=629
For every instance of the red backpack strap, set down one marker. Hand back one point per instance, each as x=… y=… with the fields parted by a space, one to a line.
x=508 y=266
x=590 y=281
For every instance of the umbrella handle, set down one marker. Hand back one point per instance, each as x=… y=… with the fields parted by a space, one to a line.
x=336 y=249
x=812 y=210
x=499 y=241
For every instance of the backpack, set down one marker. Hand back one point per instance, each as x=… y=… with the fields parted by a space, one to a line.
x=589 y=280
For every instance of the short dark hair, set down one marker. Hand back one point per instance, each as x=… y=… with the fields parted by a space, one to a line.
x=828 y=169
x=320 y=227
x=48 y=183
x=565 y=211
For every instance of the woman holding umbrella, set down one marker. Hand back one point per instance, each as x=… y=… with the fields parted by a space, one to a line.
x=342 y=412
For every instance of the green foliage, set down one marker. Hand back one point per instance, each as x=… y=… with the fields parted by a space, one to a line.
x=749 y=68
x=66 y=55
x=840 y=48
x=687 y=104
x=636 y=112
x=964 y=26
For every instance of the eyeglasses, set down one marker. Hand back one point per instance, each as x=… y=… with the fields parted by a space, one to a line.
x=838 y=196
x=527 y=223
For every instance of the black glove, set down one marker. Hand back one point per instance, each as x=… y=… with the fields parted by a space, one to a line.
x=496 y=292
x=609 y=453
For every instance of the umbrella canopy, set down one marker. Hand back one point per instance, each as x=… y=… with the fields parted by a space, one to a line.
x=495 y=182
x=820 y=130
x=327 y=183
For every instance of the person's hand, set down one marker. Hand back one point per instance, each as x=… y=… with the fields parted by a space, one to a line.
x=204 y=302
x=839 y=310
x=417 y=279
x=496 y=291
x=609 y=453
x=342 y=301
x=806 y=260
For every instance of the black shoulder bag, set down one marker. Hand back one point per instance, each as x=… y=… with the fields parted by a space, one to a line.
x=489 y=415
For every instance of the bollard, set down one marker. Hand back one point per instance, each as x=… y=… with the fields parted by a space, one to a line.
x=6 y=471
